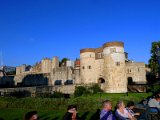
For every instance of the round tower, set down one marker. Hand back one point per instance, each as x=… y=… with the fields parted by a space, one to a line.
x=114 y=67
x=87 y=60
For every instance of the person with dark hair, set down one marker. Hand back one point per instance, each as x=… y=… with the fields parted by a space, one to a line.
x=106 y=113
x=130 y=107
x=71 y=113
x=32 y=115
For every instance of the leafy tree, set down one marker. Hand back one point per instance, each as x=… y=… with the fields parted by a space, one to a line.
x=63 y=62
x=153 y=62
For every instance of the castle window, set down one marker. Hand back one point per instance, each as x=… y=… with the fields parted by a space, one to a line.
x=101 y=80
x=129 y=70
x=89 y=67
x=138 y=69
x=99 y=55
x=112 y=50
x=83 y=67
x=118 y=63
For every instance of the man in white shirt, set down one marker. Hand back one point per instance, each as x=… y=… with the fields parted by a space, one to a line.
x=154 y=102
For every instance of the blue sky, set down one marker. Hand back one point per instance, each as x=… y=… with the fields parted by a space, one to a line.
x=33 y=29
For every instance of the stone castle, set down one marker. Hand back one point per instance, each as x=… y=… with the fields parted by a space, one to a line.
x=107 y=65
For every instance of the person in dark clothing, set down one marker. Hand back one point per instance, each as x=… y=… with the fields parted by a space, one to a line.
x=32 y=115
x=71 y=113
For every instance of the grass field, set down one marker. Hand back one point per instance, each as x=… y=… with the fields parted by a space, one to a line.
x=54 y=109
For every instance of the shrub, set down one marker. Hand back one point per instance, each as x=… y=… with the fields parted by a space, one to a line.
x=95 y=89
x=57 y=95
x=81 y=90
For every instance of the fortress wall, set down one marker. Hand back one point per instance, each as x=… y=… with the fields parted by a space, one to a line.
x=32 y=79
x=136 y=71
x=46 y=65
x=99 y=69
x=63 y=74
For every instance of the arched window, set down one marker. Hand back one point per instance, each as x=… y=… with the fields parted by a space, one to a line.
x=101 y=80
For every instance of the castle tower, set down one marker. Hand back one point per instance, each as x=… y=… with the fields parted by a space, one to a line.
x=87 y=60
x=55 y=62
x=46 y=65
x=114 y=67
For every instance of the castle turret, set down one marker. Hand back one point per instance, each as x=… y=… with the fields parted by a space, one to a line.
x=87 y=60
x=46 y=65
x=114 y=67
x=55 y=62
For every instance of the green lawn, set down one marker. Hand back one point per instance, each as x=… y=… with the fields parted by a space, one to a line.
x=54 y=109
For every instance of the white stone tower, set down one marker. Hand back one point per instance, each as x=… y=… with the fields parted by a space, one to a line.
x=87 y=60
x=114 y=67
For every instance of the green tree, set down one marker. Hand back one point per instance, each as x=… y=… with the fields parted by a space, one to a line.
x=63 y=62
x=153 y=62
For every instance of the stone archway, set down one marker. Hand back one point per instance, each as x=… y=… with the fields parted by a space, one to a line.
x=130 y=80
x=101 y=80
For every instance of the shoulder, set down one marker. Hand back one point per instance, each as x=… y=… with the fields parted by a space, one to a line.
x=67 y=116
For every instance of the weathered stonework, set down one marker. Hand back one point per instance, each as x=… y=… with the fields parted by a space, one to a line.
x=106 y=65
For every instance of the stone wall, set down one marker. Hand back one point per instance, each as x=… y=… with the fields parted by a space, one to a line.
x=37 y=68
x=87 y=69
x=136 y=72
x=32 y=79
x=46 y=65
x=62 y=74
x=104 y=65
x=66 y=89
x=114 y=69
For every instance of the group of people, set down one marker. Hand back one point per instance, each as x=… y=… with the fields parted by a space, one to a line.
x=121 y=112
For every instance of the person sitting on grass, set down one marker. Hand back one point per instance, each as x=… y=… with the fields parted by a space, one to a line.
x=106 y=113
x=32 y=115
x=130 y=107
x=121 y=112
x=71 y=113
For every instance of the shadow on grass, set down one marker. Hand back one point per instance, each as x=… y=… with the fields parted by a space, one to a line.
x=84 y=116
x=43 y=116
x=96 y=115
x=56 y=118
x=46 y=118
x=1 y=118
